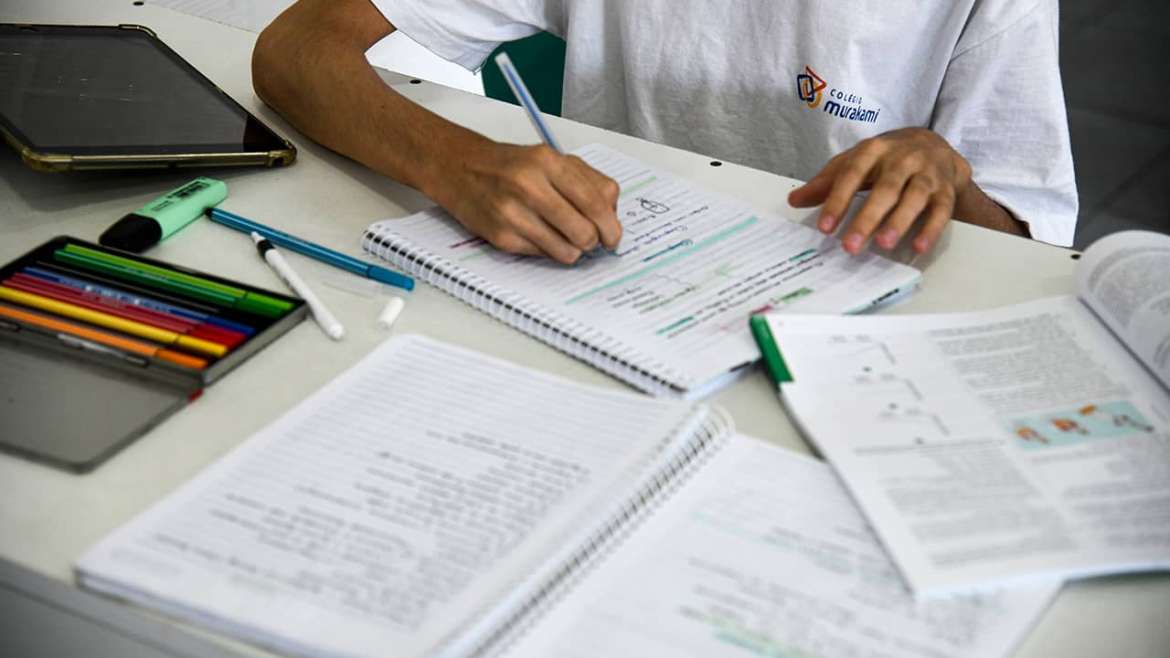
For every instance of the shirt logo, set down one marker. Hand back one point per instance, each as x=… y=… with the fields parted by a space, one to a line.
x=810 y=88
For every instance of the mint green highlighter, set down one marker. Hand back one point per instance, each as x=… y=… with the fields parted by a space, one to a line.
x=164 y=216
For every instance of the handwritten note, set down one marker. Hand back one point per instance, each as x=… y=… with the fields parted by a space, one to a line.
x=383 y=511
x=691 y=268
x=764 y=554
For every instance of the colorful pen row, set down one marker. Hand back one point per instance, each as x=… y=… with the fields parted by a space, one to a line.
x=171 y=280
x=106 y=302
x=102 y=337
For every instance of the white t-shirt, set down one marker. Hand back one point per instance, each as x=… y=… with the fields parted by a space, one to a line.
x=784 y=86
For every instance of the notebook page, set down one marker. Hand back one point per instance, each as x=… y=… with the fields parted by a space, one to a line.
x=690 y=270
x=763 y=553
x=385 y=510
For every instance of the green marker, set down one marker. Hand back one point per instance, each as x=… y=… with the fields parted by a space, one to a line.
x=162 y=217
x=773 y=360
x=136 y=271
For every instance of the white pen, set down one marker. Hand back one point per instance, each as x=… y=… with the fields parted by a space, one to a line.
x=324 y=318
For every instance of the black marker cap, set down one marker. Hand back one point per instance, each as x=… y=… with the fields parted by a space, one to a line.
x=132 y=233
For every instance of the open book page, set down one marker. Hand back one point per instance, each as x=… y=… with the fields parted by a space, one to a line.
x=762 y=553
x=1125 y=279
x=690 y=270
x=389 y=508
x=992 y=446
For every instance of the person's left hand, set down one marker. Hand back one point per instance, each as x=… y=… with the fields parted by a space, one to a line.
x=913 y=175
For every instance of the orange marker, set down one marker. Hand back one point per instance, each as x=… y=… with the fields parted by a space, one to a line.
x=103 y=338
x=108 y=321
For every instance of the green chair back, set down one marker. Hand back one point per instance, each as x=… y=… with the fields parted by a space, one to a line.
x=540 y=59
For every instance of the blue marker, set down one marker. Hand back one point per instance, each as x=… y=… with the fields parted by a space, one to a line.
x=323 y=254
x=512 y=77
x=136 y=300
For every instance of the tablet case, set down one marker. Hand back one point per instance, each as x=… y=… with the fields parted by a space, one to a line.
x=58 y=162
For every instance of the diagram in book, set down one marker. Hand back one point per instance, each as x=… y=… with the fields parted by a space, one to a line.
x=886 y=386
x=862 y=348
x=1088 y=422
x=920 y=425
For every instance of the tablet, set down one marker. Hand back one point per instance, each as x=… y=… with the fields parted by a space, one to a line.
x=116 y=97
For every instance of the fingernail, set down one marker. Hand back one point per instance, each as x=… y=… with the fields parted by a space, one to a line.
x=826 y=223
x=921 y=245
x=888 y=238
x=853 y=242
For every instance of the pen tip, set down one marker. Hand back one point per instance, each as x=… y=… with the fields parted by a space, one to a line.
x=256 y=237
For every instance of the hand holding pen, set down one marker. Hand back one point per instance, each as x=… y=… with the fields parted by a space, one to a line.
x=531 y=200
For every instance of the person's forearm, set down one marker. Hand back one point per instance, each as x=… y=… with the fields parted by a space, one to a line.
x=975 y=207
x=320 y=81
x=310 y=66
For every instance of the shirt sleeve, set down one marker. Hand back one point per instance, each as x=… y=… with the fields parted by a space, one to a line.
x=467 y=31
x=1001 y=105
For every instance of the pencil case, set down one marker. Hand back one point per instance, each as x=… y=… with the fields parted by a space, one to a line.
x=98 y=345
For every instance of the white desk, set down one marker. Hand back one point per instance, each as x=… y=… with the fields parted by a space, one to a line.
x=49 y=517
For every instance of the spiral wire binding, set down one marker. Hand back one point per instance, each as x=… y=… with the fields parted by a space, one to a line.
x=563 y=333
x=659 y=487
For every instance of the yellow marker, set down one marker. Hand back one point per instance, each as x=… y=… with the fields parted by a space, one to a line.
x=112 y=322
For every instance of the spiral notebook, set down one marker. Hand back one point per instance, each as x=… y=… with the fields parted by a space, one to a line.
x=667 y=310
x=436 y=502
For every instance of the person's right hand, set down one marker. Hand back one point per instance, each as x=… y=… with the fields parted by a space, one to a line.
x=530 y=200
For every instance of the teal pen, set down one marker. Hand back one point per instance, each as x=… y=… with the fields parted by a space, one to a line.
x=316 y=251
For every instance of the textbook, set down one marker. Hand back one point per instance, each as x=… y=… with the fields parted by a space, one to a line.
x=667 y=310
x=997 y=446
x=432 y=501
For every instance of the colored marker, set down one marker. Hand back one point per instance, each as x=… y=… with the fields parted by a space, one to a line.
x=145 y=316
x=316 y=251
x=207 y=289
x=108 y=321
x=101 y=337
x=127 y=297
x=98 y=278
x=143 y=278
x=22 y=281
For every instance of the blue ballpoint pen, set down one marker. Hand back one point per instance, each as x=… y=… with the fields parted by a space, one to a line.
x=520 y=91
x=512 y=77
x=323 y=254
